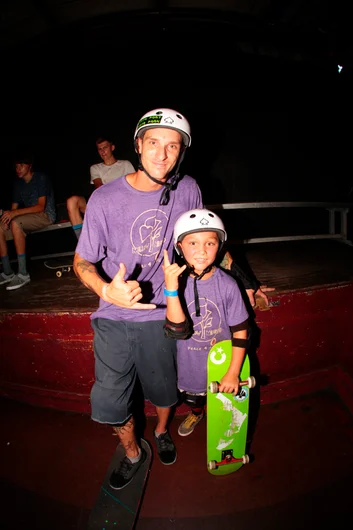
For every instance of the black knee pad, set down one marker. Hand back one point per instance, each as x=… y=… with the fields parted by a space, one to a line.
x=195 y=401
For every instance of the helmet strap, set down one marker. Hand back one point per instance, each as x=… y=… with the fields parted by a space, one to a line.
x=191 y=270
x=196 y=294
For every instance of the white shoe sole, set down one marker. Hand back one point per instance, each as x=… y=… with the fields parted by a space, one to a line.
x=14 y=287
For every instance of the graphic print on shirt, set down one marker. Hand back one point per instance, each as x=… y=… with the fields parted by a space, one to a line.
x=208 y=325
x=147 y=233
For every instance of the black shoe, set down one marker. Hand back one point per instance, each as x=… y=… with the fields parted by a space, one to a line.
x=122 y=476
x=166 y=449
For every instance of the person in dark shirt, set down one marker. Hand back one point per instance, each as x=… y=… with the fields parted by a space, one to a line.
x=32 y=208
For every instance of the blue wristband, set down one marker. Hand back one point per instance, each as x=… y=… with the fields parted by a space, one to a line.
x=170 y=293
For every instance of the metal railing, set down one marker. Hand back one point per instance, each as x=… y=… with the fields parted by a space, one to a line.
x=335 y=210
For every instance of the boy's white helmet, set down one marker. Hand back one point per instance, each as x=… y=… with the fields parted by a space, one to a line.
x=198 y=220
x=166 y=118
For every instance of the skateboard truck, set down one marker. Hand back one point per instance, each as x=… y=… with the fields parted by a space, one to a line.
x=228 y=458
x=250 y=382
x=65 y=268
x=59 y=266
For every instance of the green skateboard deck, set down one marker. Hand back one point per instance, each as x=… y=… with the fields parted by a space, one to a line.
x=118 y=509
x=227 y=415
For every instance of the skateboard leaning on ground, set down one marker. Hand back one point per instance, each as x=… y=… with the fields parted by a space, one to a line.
x=227 y=415
x=59 y=265
x=118 y=509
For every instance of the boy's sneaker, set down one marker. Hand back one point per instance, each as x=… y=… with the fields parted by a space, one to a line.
x=189 y=424
x=5 y=278
x=18 y=281
x=165 y=448
x=126 y=472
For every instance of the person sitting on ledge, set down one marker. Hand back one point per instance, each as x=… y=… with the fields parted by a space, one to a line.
x=32 y=208
x=102 y=173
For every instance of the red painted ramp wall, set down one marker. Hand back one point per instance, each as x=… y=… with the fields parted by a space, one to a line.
x=305 y=343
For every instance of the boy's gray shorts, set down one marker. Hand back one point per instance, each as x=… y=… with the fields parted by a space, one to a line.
x=124 y=350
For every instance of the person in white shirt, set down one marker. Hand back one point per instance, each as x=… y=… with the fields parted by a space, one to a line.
x=102 y=173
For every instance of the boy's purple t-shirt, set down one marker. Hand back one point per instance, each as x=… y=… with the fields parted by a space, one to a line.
x=122 y=224
x=221 y=306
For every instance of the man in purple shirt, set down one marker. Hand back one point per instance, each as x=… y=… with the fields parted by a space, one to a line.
x=128 y=224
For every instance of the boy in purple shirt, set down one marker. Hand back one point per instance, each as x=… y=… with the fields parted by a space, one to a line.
x=214 y=310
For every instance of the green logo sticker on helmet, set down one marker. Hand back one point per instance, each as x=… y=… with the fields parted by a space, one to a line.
x=149 y=120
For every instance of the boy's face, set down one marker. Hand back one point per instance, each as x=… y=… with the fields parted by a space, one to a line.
x=200 y=249
x=159 y=149
x=22 y=170
x=105 y=150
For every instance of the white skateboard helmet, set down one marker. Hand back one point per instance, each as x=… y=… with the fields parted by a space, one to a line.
x=199 y=220
x=166 y=118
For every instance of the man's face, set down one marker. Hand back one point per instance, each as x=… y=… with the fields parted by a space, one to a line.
x=105 y=150
x=159 y=149
x=22 y=170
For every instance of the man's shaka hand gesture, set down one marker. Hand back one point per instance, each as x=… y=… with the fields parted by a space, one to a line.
x=124 y=293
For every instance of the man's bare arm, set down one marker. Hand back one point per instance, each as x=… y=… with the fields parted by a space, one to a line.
x=88 y=275
x=118 y=292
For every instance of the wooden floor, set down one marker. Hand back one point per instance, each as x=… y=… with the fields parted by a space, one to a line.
x=287 y=266
x=300 y=475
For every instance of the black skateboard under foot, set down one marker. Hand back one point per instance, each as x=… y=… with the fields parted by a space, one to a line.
x=118 y=509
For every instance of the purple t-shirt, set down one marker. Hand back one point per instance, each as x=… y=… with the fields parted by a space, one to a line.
x=221 y=306
x=122 y=224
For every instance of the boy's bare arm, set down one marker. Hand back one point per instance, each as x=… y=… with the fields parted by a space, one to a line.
x=230 y=382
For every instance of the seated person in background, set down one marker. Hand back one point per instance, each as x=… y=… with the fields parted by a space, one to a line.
x=32 y=208
x=102 y=173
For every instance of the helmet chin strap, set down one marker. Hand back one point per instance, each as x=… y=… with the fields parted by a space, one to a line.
x=191 y=270
x=171 y=182
x=196 y=294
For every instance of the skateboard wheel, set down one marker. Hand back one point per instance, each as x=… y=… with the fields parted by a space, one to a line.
x=68 y=269
x=212 y=464
x=251 y=381
x=246 y=459
x=213 y=387
x=59 y=274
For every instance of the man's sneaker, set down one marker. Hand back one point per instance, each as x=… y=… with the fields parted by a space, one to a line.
x=189 y=424
x=18 y=281
x=165 y=448
x=5 y=278
x=122 y=476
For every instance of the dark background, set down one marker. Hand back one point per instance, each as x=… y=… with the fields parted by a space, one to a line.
x=273 y=127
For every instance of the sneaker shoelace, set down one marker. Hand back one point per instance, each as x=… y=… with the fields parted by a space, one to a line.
x=190 y=420
x=125 y=467
x=164 y=442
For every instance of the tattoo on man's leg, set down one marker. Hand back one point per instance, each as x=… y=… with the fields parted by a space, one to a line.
x=126 y=428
